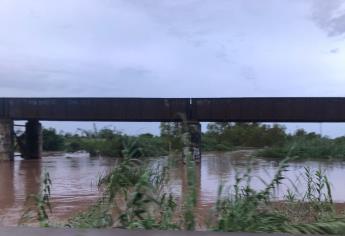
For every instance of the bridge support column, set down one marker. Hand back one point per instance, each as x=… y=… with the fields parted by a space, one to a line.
x=194 y=143
x=6 y=139
x=33 y=140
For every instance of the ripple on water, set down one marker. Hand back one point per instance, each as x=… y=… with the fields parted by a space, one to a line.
x=75 y=179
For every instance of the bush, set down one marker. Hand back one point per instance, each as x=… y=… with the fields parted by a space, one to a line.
x=52 y=141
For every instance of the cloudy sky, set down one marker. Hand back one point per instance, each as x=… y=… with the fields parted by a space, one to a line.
x=173 y=48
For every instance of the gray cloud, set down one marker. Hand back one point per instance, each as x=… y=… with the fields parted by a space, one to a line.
x=330 y=16
x=134 y=48
x=334 y=50
x=182 y=48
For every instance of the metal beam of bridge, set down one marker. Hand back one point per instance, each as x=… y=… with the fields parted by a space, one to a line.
x=278 y=109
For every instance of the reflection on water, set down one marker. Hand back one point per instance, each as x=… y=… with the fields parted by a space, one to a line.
x=74 y=184
x=29 y=177
x=6 y=185
x=75 y=180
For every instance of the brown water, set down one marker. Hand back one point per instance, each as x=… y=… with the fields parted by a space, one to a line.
x=75 y=178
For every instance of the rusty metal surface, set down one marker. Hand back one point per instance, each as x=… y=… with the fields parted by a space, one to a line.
x=96 y=109
x=329 y=109
x=20 y=231
x=270 y=109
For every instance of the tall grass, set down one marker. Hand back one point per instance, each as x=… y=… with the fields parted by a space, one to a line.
x=134 y=197
x=41 y=201
x=190 y=198
x=191 y=193
x=249 y=210
x=245 y=209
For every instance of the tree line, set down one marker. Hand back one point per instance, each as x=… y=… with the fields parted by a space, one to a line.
x=272 y=140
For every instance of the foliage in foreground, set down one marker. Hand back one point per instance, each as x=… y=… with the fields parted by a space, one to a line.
x=41 y=201
x=133 y=198
x=245 y=209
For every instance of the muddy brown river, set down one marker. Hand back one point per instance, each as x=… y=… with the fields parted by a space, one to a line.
x=75 y=178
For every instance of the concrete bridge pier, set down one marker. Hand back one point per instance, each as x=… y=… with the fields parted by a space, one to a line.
x=194 y=131
x=6 y=139
x=33 y=140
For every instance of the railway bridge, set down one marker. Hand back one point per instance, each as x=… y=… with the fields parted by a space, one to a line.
x=192 y=111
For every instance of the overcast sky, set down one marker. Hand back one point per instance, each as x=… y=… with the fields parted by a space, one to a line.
x=173 y=48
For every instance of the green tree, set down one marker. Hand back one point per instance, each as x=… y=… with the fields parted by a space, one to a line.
x=171 y=134
x=52 y=141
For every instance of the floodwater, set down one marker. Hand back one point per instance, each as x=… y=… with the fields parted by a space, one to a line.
x=75 y=176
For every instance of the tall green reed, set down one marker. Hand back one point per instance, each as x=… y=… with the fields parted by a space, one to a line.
x=133 y=198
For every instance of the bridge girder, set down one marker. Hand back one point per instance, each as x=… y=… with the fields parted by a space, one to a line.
x=293 y=109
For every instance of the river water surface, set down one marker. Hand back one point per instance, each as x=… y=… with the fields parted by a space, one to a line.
x=75 y=178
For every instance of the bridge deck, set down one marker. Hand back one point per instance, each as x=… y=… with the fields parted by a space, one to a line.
x=326 y=109
x=20 y=231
